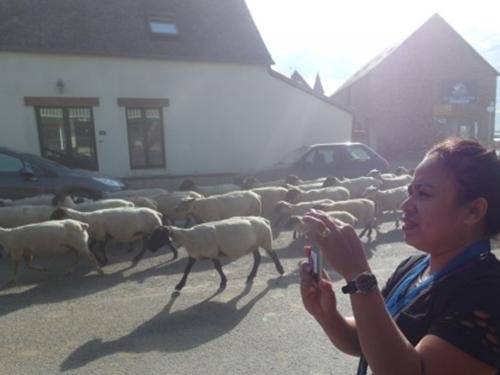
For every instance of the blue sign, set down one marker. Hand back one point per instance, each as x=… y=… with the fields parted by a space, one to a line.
x=459 y=92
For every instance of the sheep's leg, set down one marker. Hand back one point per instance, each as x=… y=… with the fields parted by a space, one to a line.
x=363 y=232
x=15 y=264
x=256 y=263
x=92 y=258
x=139 y=256
x=104 y=260
x=28 y=259
x=71 y=267
x=294 y=234
x=189 y=265
x=223 y=279
x=276 y=261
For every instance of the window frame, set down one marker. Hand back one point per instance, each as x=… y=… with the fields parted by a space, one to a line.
x=147 y=165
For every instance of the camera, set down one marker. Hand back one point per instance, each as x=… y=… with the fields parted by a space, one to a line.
x=315 y=258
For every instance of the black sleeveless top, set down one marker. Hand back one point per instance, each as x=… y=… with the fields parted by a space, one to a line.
x=462 y=308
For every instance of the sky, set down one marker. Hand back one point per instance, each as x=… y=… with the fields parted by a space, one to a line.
x=335 y=39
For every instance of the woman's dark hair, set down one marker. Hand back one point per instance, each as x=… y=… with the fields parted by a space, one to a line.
x=477 y=171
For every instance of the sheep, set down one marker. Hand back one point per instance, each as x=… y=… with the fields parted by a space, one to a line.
x=123 y=224
x=363 y=209
x=15 y=216
x=37 y=200
x=269 y=196
x=232 y=238
x=208 y=190
x=167 y=204
x=391 y=182
x=356 y=186
x=335 y=193
x=46 y=239
x=223 y=206
x=387 y=200
x=62 y=200
x=139 y=201
x=300 y=228
x=284 y=209
x=146 y=192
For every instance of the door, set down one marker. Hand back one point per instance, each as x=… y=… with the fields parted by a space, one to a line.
x=67 y=136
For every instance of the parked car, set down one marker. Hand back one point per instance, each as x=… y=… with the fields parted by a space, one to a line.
x=23 y=175
x=329 y=159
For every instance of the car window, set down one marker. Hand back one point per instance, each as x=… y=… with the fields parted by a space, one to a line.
x=320 y=157
x=10 y=164
x=358 y=153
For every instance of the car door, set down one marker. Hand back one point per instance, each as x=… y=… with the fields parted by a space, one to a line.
x=318 y=162
x=360 y=160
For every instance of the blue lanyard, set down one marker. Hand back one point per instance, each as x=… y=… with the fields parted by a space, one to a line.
x=399 y=300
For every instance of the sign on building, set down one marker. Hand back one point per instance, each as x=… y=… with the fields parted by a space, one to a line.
x=459 y=92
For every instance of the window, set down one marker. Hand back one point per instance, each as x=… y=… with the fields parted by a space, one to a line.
x=67 y=136
x=162 y=26
x=145 y=138
x=358 y=153
x=10 y=164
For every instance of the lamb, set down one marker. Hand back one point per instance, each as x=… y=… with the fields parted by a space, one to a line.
x=363 y=209
x=356 y=186
x=284 y=210
x=46 y=239
x=270 y=196
x=387 y=200
x=335 y=193
x=146 y=192
x=223 y=206
x=15 y=216
x=391 y=182
x=123 y=224
x=300 y=228
x=232 y=238
x=208 y=190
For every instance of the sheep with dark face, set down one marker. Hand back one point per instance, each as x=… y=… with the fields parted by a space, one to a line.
x=231 y=238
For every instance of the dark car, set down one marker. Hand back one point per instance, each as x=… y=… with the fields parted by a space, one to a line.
x=329 y=159
x=23 y=175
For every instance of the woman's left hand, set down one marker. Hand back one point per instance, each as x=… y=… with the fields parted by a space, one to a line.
x=339 y=243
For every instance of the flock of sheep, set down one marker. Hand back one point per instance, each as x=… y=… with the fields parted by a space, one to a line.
x=230 y=220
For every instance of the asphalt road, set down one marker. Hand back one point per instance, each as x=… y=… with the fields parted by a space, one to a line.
x=129 y=322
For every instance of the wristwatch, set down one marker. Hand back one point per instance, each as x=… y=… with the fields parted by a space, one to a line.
x=362 y=283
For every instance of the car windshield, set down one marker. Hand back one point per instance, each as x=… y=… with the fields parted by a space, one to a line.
x=33 y=159
x=292 y=156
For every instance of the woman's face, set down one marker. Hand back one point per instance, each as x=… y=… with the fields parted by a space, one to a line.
x=433 y=219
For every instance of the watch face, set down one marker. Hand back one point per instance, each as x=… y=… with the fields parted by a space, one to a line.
x=366 y=282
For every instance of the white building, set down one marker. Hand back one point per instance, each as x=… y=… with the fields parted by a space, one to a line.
x=151 y=87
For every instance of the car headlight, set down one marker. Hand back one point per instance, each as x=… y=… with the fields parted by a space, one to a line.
x=109 y=181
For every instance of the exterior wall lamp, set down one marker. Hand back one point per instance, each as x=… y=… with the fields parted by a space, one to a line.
x=60 y=85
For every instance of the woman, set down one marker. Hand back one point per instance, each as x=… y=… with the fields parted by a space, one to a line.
x=439 y=313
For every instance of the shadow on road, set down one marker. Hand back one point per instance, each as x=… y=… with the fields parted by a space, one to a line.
x=175 y=331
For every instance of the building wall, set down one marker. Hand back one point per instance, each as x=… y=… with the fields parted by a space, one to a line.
x=400 y=101
x=221 y=117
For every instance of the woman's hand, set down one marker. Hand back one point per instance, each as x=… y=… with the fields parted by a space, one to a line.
x=317 y=295
x=339 y=244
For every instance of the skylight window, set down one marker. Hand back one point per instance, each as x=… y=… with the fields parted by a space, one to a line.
x=163 y=27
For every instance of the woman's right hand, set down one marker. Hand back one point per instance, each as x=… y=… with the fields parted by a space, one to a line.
x=318 y=296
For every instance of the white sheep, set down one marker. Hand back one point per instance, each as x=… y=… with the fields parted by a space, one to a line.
x=208 y=190
x=15 y=216
x=89 y=205
x=387 y=200
x=167 y=204
x=356 y=186
x=231 y=238
x=300 y=227
x=335 y=193
x=270 y=196
x=146 y=192
x=363 y=209
x=223 y=206
x=390 y=182
x=123 y=224
x=46 y=239
x=283 y=210
x=140 y=201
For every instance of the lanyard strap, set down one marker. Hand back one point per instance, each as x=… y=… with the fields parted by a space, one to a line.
x=402 y=297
